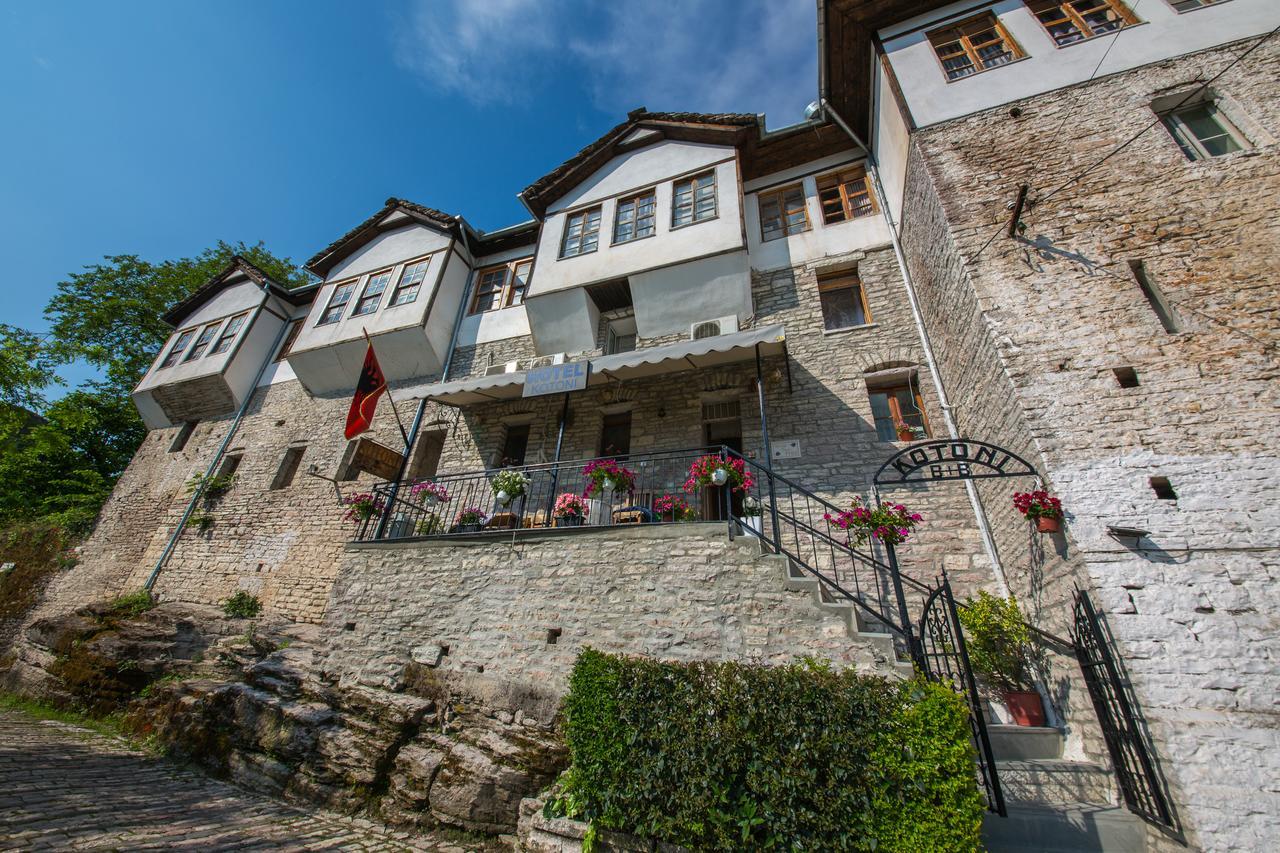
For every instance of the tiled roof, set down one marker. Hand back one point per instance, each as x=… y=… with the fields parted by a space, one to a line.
x=338 y=249
x=550 y=186
x=178 y=312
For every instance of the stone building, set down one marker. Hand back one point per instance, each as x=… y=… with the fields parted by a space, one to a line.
x=1068 y=257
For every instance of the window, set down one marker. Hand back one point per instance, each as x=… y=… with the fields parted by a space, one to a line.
x=288 y=468
x=845 y=195
x=230 y=463
x=782 y=213
x=621 y=336
x=844 y=304
x=502 y=286
x=294 y=328
x=634 y=217
x=372 y=296
x=973 y=46
x=337 y=303
x=1188 y=5
x=1156 y=299
x=1070 y=21
x=184 y=435
x=411 y=279
x=694 y=200
x=897 y=404
x=514 y=446
x=179 y=346
x=615 y=435
x=1202 y=131
x=581 y=233
x=202 y=342
x=228 y=335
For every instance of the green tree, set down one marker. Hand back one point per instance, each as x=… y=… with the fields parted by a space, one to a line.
x=25 y=368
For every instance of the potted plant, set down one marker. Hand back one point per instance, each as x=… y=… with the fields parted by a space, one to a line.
x=361 y=507
x=904 y=431
x=712 y=470
x=673 y=508
x=430 y=493
x=751 y=514
x=1041 y=506
x=606 y=475
x=469 y=520
x=508 y=484
x=890 y=523
x=1000 y=651
x=569 y=510
x=429 y=525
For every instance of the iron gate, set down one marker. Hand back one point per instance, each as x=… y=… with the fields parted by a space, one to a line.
x=942 y=654
x=1129 y=754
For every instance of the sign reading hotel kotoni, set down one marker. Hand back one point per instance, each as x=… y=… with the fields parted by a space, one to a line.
x=958 y=459
x=556 y=379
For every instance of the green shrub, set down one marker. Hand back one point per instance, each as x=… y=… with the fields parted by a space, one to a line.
x=729 y=756
x=132 y=604
x=242 y=605
x=999 y=646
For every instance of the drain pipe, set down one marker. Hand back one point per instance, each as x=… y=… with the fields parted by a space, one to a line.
x=975 y=501
x=222 y=448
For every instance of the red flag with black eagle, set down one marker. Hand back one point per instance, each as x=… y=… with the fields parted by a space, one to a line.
x=371 y=386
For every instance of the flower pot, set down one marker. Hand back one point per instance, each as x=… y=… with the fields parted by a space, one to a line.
x=469 y=528
x=751 y=523
x=503 y=498
x=607 y=485
x=1048 y=525
x=1025 y=707
x=906 y=435
x=569 y=521
x=429 y=500
x=720 y=476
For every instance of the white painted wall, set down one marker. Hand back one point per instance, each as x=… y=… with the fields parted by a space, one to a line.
x=821 y=240
x=444 y=310
x=563 y=321
x=496 y=325
x=670 y=300
x=654 y=166
x=890 y=140
x=1164 y=33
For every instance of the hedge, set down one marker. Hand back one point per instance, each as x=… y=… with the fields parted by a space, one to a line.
x=729 y=756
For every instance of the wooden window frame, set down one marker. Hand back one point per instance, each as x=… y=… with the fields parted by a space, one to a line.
x=1204 y=4
x=842 y=281
x=195 y=353
x=511 y=295
x=1070 y=13
x=179 y=346
x=329 y=306
x=365 y=296
x=585 y=214
x=290 y=337
x=228 y=334
x=912 y=387
x=401 y=287
x=843 y=178
x=779 y=196
x=694 y=185
x=636 y=198
x=967 y=46
x=1189 y=142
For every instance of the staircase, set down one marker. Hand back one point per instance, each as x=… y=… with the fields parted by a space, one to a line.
x=1055 y=805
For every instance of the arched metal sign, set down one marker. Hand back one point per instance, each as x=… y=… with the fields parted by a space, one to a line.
x=951 y=459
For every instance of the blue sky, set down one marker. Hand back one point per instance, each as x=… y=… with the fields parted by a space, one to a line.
x=158 y=128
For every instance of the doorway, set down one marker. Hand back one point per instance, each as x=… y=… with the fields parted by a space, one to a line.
x=721 y=427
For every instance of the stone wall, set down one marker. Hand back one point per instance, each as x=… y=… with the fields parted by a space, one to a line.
x=1042 y=321
x=514 y=614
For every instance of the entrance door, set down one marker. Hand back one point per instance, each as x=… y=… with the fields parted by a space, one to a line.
x=726 y=432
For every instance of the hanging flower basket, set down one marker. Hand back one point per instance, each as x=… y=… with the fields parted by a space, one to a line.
x=508 y=485
x=673 y=508
x=569 y=510
x=430 y=493
x=361 y=507
x=1042 y=507
x=711 y=470
x=890 y=523
x=606 y=475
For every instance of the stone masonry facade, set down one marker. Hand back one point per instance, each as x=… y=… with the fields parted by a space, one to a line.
x=1029 y=332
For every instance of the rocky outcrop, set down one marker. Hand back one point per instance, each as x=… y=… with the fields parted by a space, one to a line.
x=250 y=702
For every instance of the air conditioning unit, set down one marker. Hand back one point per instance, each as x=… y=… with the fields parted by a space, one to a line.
x=541 y=361
x=506 y=367
x=711 y=328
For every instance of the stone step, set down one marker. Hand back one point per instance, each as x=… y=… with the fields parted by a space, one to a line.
x=1052 y=780
x=1024 y=743
x=1064 y=828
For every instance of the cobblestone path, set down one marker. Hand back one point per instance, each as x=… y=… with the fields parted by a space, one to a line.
x=67 y=788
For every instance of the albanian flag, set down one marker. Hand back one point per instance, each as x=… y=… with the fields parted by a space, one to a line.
x=371 y=386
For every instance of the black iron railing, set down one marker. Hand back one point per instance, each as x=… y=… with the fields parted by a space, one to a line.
x=659 y=478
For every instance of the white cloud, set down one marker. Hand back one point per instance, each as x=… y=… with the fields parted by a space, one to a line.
x=697 y=55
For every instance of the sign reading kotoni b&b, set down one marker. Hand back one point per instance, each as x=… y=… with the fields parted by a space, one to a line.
x=952 y=459
x=556 y=379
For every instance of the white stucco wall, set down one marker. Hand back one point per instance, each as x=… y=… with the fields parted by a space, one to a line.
x=889 y=140
x=820 y=240
x=655 y=166
x=563 y=321
x=670 y=300
x=497 y=325
x=1162 y=34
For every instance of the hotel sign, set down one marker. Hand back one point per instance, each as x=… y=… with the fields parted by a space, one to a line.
x=958 y=459
x=556 y=379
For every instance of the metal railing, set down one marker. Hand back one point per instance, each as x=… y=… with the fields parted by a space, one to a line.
x=657 y=475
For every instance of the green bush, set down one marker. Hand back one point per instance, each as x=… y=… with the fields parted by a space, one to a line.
x=1000 y=648
x=132 y=604
x=729 y=756
x=242 y=605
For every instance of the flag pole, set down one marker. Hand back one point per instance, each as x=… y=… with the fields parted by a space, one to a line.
x=403 y=435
